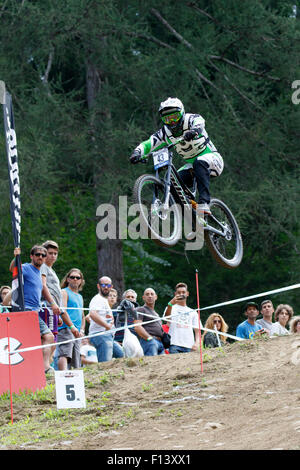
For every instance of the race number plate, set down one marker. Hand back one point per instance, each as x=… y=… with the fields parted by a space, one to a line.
x=70 y=391
x=160 y=158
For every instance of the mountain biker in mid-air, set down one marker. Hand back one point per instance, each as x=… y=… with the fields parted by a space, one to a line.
x=196 y=148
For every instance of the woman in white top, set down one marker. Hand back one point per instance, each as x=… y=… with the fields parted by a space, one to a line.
x=283 y=314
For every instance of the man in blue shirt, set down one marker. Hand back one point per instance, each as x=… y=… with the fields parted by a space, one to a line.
x=250 y=328
x=33 y=292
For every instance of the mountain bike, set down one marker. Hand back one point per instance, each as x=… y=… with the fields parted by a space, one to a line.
x=163 y=197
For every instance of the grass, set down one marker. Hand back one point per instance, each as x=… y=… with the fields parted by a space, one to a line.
x=122 y=396
x=46 y=395
x=30 y=430
x=206 y=357
x=55 y=425
x=146 y=387
x=33 y=423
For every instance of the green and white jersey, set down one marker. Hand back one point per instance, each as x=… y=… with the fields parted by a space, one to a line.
x=189 y=151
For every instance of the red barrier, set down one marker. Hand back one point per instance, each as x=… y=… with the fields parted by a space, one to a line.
x=20 y=371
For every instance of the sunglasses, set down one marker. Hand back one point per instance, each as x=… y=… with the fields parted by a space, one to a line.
x=40 y=254
x=170 y=118
x=105 y=285
x=75 y=277
x=217 y=321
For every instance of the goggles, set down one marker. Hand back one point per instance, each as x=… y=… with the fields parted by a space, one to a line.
x=171 y=118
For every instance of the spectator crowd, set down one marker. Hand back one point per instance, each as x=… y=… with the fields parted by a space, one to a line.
x=75 y=339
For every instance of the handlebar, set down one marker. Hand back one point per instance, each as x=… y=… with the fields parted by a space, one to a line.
x=169 y=147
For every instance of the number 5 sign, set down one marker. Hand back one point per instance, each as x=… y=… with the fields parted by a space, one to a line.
x=70 y=389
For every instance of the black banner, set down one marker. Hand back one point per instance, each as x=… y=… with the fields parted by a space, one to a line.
x=17 y=296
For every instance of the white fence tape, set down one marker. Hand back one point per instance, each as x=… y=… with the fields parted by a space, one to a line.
x=262 y=294
x=3 y=354
x=166 y=319
x=113 y=330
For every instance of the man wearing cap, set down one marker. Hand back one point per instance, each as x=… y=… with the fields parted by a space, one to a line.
x=250 y=328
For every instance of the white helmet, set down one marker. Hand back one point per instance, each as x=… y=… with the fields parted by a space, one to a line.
x=172 y=114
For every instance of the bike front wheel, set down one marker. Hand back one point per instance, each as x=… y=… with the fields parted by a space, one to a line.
x=162 y=221
x=227 y=249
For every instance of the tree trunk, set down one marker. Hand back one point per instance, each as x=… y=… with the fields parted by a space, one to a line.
x=109 y=252
x=110 y=262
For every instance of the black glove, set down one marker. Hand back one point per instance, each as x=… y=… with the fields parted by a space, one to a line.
x=135 y=156
x=189 y=135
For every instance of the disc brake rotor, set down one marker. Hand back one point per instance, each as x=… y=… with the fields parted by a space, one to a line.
x=227 y=231
x=157 y=209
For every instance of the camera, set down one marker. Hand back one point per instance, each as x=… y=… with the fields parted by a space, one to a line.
x=127 y=308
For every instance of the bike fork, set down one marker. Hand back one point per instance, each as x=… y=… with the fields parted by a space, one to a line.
x=168 y=189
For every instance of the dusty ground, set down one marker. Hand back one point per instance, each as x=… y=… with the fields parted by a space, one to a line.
x=247 y=397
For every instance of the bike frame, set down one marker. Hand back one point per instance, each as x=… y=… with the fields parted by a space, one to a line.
x=172 y=180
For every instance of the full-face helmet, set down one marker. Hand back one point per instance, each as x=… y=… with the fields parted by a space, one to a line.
x=172 y=115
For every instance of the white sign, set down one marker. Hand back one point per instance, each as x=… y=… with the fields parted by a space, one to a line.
x=70 y=391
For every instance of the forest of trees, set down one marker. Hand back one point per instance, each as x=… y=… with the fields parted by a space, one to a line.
x=86 y=79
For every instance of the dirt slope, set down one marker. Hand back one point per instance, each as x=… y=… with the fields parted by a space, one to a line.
x=247 y=397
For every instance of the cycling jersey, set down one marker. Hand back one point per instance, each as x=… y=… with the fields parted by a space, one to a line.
x=189 y=151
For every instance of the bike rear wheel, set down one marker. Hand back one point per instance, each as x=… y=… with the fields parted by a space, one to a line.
x=163 y=223
x=227 y=250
